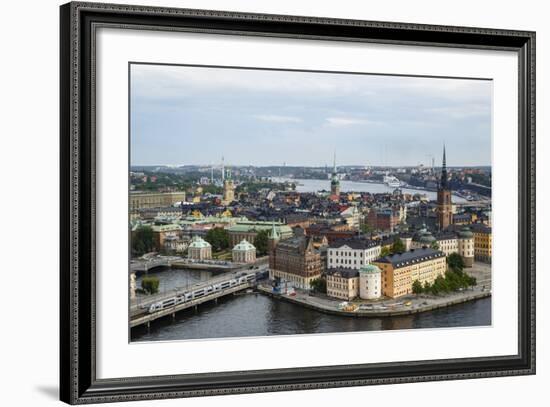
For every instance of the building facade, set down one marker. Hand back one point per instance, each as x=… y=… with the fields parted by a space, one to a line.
x=370 y=282
x=294 y=260
x=483 y=242
x=352 y=216
x=199 y=249
x=383 y=219
x=342 y=283
x=352 y=253
x=399 y=271
x=174 y=244
x=448 y=242
x=466 y=247
x=144 y=200
x=165 y=231
x=248 y=230
x=244 y=252
x=228 y=190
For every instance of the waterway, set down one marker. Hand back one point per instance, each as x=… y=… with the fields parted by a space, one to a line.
x=259 y=315
x=316 y=185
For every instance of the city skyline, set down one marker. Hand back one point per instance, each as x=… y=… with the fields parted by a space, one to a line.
x=184 y=115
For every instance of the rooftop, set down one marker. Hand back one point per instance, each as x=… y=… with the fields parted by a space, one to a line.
x=413 y=256
x=356 y=244
x=342 y=272
x=244 y=245
x=199 y=242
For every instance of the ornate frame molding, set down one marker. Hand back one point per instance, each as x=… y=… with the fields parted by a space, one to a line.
x=78 y=380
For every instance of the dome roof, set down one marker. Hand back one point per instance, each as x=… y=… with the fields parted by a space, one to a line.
x=466 y=233
x=199 y=243
x=244 y=245
x=424 y=236
x=369 y=269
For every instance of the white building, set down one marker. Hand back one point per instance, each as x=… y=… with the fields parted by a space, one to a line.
x=352 y=253
x=244 y=252
x=466 y=246
x=199 y=249
x=370 y=282
x=447 y=242
x=352 y=216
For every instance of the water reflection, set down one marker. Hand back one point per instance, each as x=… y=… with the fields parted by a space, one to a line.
x=257 y=315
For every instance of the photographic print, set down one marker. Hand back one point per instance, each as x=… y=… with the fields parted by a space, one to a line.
x=283 y=202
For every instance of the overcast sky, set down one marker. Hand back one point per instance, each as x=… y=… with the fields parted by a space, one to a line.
x=193 y=115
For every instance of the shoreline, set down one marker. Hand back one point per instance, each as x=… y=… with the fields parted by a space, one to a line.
x=413 y=309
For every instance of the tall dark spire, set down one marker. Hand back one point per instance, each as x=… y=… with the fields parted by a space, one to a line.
x=443 y=181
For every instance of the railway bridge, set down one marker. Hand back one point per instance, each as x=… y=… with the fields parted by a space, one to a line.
x=228 y=284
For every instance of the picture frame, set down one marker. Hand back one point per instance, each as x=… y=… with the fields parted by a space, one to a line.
x=78 y=347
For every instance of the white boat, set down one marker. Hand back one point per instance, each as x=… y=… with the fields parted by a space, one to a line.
x=392 y=181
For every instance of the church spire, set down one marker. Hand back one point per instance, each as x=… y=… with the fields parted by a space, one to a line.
x=273 y=234
x=443 y=181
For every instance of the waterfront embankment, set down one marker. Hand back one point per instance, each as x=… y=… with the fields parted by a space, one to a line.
x=384 y=308
x=389 y=307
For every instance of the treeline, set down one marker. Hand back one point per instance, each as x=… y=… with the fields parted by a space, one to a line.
x=455 y=278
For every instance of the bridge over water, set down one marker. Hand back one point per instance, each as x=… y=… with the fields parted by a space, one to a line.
x=139 y=308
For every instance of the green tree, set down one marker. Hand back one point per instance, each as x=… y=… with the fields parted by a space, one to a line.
x=319 y=285
x=398 y=246
x=455 y=262
x=470 y=281
x=150 y=284
x=386 y=251
x=260 y=242
x=435 y=245
x=218 y=238
x=143 y=240
x=417 y=287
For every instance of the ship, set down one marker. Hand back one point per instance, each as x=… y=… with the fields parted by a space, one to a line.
x=392 y=181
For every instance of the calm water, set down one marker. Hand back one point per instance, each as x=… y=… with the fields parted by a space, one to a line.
x=259 y=315
x=315 y=185
x=170 y=279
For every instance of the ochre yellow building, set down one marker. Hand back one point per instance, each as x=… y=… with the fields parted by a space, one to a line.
x=483 y=242
x=399 y=271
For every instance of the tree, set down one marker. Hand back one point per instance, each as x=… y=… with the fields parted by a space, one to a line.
x=435 y=245
x=218 y=238
x=319 y=285
x=150 y=284
x=398 y=246
x=386 y=251
x=143 y=240
x=260 y=242
x=455 y=262
x=417 y=287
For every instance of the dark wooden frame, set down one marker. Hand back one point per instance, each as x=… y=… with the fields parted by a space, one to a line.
x=78 y=382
